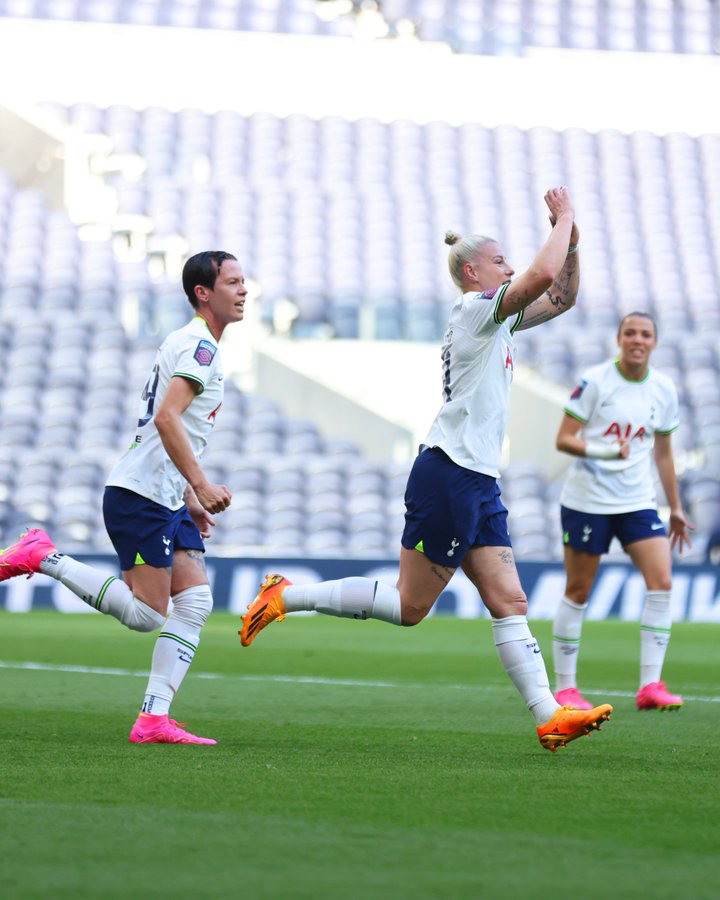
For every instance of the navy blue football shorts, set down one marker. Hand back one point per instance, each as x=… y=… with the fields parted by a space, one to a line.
x=449 y=509
x=593 y=532
x=143 y=531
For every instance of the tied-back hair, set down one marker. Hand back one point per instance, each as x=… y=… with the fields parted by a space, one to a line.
x=463 y=249
x=202 y=269
x=643 y=315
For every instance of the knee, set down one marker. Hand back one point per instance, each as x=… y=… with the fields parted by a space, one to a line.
x=411 y=612
x=412 y=616
x=578 y=592
x=193 y=605
x=141 y=617
x=512 y=604
x=661 y=583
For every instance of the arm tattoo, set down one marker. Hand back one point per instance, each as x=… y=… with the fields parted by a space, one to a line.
x=443 y=573
x=515 y=304
x=536 y=313
x=555 y=301
x=505 y=556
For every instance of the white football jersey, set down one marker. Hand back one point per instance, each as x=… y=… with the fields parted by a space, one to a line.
x=610 y=408
x=145 y=468
x=478 y=356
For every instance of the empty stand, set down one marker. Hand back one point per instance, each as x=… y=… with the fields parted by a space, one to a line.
x=345 y=221
x=493 y=27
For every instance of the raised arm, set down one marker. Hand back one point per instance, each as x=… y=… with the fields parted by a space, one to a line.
x=546 y=285
x=562 y=293
x=679 y=524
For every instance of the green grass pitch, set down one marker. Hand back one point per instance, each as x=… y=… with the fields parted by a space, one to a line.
x=355 y=760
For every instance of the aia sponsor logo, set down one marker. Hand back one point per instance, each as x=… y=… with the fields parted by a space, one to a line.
x=623 y=433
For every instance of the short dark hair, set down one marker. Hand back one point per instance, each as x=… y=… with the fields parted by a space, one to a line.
x=202 y=269
x=644 y=315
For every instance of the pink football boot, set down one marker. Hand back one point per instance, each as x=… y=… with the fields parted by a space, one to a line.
x=572 y=697
x=23 y=557
x=161 y=730
x=654 y=696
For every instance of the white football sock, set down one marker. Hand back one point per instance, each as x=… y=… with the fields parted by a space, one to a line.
x=109 y=595
x=174 y=651
x=655 y=625
x=566 y=642
x=175 y=647
x=350 y=598
x=522 y=660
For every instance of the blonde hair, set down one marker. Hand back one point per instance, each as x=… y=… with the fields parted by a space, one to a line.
x=463 y=249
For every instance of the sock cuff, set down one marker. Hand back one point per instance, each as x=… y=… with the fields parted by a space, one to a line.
x=567 y=625
x=192 y=606
x=511 y=628
x=386 y=603
x=575 y=607
x=658 y=599
x=656 y=614
x=138 y=616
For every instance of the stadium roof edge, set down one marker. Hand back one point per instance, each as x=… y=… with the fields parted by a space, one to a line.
x=319 y=76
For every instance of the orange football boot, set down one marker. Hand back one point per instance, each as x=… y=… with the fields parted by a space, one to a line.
x=568 y=723
x=265 y=608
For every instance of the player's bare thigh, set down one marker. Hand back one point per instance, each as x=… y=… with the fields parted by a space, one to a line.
x=188 y=570
x=492 y=570
x=420 y=583
x=652 y=558
x=155 y=586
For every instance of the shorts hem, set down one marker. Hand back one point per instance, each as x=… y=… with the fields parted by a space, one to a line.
x=644 y=537
x=438 y=562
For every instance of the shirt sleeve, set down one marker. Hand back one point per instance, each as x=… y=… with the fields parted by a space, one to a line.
x=481 y=311
x=195 y=360
x=670 y=419
x=583 y=400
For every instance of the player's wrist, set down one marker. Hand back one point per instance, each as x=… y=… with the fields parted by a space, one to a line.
x=599 y=450
x=199 y=485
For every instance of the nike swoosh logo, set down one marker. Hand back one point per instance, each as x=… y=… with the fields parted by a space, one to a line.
x=656 y=526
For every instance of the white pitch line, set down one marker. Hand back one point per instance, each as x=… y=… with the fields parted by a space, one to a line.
x=305 y=679
x=309 y=679
x=135 y=673
x=632 y=694
x=81 y=670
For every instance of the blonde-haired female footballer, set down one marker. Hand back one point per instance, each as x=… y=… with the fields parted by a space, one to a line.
x=621 y=414
x=454 y=514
